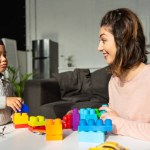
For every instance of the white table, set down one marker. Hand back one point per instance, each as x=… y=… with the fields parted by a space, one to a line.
x=23 y=139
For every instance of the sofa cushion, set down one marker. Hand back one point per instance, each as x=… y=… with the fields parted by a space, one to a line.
x=100 y=79
x=55 y=109
x=73 y=83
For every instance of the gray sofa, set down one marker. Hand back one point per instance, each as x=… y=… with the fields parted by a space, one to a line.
x=73 y=89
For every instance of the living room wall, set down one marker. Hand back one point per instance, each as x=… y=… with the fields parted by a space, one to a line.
x=74 y=24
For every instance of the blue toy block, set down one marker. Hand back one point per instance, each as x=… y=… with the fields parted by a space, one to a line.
x=24 y=109
x=94 y=137
x=103 y=111
x=95 y=126
x=88 y=113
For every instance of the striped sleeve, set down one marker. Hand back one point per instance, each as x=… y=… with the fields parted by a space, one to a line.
x=2 y=102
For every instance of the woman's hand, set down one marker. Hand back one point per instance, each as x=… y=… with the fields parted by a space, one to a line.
x=15 y=103
x=109 y=113
x=69 y=112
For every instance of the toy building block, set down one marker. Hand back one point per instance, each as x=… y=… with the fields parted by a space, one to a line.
x=54 y=129
x=100 y=112
x=37 y=124
x=36 y=121
x=103 y=111
x=24 y=109
x=75 y=119
x=94 y=137
x=109 y=146
x=38 y=129
x=67 y=121
x=95 y=126
x=97 y=111
x=93 y=131
x=88 y=113
x=20 y=120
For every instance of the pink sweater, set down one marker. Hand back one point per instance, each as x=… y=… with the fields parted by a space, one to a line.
x=131 y=100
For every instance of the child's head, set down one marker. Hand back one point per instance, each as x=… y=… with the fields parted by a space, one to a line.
x=3 y=58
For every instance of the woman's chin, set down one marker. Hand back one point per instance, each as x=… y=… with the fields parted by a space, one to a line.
x=109 y=62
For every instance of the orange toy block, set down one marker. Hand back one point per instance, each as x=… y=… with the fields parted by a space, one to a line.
x=20 y=120
x=54 y=129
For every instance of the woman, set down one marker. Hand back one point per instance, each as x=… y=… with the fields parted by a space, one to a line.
x=122 y=43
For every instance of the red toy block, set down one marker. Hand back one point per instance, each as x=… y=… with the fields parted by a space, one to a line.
x=67 y=121
x=39 y=129
x=20 y=126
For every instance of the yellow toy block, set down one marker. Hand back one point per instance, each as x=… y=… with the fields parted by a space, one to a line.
x=36 y=121
x=54 y=129
x=20 y=118
x=109 y=146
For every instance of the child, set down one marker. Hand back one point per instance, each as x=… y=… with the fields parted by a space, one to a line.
x=7 y=100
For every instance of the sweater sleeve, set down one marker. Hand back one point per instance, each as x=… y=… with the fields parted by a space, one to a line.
x=2 y=102
x=135 y=129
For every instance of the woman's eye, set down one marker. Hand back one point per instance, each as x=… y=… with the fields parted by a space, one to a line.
x=103 y=40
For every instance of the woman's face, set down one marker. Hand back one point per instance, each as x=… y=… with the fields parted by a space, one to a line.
x=107 y=44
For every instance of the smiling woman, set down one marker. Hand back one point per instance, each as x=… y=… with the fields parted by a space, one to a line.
x=122 y=42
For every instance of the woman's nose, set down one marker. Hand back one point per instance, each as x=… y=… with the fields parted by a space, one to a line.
x=100 y=48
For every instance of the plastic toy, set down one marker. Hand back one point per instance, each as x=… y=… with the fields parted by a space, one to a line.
x=103 y=111
x=94 y=137
x=38 y=129
x=93 y=131
x=20 y=120
x=109 y=146
x=36 y=121
x=54 y=129
x=100 y=112
x=24 y=109
x=67 y=121
x=98 y=125
x=88 y=113
x=75 y=119
x=36 y=124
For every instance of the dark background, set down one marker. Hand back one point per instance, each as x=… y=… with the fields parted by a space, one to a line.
x=12 y=21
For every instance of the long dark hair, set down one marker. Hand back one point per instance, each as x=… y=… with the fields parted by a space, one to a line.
x=129 y=38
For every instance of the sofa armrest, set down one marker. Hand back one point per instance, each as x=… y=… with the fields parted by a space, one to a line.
x=39 y=92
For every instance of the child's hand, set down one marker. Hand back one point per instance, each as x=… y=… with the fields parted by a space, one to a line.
x=14 y=102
